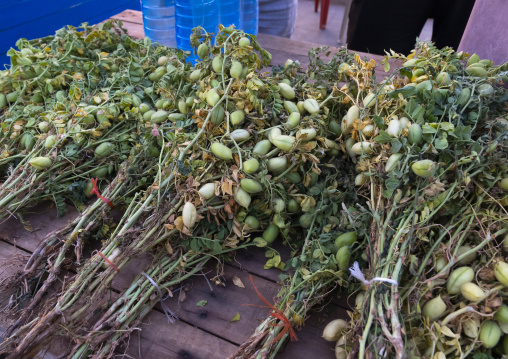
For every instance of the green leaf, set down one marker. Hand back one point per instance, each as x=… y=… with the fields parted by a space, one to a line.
x=278 y=220
x=396 y=145
x=447 y=126
x=406 y=91
x=61 y=206
x=428 y=128
x=391 y=184
x=317 y=253
x=441 y=143
x=406 y=71
x=236 y=318
x=194 y=244
x=463 y=132
x=216 y=247
x=379 y=122
x=201 y=303
x=417 y=114
x=383 y=137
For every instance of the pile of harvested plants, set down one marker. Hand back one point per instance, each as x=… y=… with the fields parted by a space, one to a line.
x=406 y=178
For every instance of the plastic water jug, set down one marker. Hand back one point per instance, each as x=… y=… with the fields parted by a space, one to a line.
x=193 y=13
x=229 y=12
x=159 y=21
x=249 y=15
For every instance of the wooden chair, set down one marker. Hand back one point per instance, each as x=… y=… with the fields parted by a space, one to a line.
x=325 y=5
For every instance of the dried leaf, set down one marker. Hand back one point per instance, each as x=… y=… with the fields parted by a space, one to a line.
x=182 y=296
x=227 y=186
x=447 y=331
x=234 y=173
x=231 y=242
x=169 y=226
x=237 y=229
x=169 y=248
x=236 y=318
x=179 y=223
x=238 y=282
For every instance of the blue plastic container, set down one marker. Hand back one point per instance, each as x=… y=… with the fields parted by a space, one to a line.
x=193 y=13
x=159 y=21
x=229 y=12
x=249 y=15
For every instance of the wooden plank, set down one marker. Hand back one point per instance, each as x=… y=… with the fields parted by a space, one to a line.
x=487 y=21
x=43 y=220
x=253 y=259
x=159 y=339
x=12 y=260
x=310 y=342
x=223 y=303
x=214 y=318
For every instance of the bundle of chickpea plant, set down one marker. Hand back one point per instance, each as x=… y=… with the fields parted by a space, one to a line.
x=68 y=109
x=222 y=148
x=434 y=169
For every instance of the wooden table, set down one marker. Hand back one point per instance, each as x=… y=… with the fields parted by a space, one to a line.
x=202 y=332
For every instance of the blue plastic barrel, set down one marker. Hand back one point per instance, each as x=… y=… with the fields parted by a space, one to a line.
x=229 y=12
x=193 y=13
x=249 y=15
x=159 y=21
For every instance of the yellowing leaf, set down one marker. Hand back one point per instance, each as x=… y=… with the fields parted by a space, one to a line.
x=447 y=331
x=260 y=242
x=387 y=66
x=182 y=296
x=236 y=318
x=168 y=246
x=307 y=204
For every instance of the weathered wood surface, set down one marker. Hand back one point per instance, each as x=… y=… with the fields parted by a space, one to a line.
x=202 y=332
x=280 y=48
x=486 y=32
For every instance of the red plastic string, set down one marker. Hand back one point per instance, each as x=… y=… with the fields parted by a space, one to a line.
x=279 y=315
x=109 y=262
x=95 y=190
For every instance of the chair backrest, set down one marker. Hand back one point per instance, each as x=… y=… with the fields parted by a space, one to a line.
x=487 y=21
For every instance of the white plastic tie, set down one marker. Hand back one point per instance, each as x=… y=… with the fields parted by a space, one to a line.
x=358 y=274
x=169 y=314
